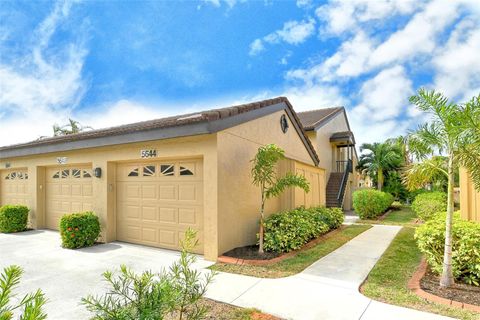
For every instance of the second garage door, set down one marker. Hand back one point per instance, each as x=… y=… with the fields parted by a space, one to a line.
x=158 y=201
x=68 y=190
x=13 y=187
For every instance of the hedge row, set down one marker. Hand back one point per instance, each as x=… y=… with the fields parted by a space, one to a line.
x=426 y=205
x=370 y=203
x=290 y=230
x=466 y=246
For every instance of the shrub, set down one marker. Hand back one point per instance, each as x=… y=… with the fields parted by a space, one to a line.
x=175 y=294
x=13 y=218
x=31 y=305
x=79 y=230
x=290 y=230
x=426 y=205
x=370 y=203
x=465 y=252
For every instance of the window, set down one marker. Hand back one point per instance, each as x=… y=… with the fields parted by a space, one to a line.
x=16 y=176
x=56 y=175
x=76 y=173
x=87 y=174
x=20 y=175
x=133 y=173
x=167 y=169
x=184 y=171
x=25 y=176
x=65 y=173
x=148 y=171
x=13 y=175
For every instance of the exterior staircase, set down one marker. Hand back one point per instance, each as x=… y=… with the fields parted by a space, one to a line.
x=333 y=188
x=337 y=183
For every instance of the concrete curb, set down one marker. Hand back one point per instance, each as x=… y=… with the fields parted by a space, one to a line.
x=414 y=285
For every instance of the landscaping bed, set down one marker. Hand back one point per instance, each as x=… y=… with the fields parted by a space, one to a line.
x=460 y=292
x=297 y=261
x=224 y=311
x=396 y=216
x=251 y=253
x=388 y=281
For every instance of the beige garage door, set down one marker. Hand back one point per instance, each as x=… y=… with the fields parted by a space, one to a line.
x=158 y=201
x=68 y=190
x=14 y=187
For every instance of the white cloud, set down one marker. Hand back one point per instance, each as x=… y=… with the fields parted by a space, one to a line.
x=385 y=96
x=457 y=64
x=304 y=3
x=256 y=47
x=344 y=16
x=420 y=34
x=293 y=32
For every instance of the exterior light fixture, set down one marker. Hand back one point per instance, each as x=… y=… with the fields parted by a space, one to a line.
x=97 y=172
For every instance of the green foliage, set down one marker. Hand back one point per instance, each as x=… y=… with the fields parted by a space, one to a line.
x=13 y=218
x=31 y=304
x=79 y=230
x=427 y=204
x=394 y=186
x=265 y=176
x=175 y=294
x=465 y=251
x=380 y=158
x=290 y=230
x=370 y=203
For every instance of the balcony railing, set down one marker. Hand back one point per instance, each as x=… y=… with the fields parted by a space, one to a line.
x=347 y=169
x=343 y=165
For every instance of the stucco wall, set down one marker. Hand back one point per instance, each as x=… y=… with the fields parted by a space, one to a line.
x=239 y=201
x=104 y=188
x=469 y=198
x=321 y=141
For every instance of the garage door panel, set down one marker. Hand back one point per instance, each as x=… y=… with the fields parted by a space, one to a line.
x=14 y=187
x=158 y=201
x=68 y=190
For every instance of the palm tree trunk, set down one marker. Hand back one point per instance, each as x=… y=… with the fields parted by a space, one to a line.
x=380 y=179
x=447 y=275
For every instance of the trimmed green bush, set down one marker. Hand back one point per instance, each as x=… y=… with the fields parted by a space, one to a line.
x=13 y=218
x=426 y=205
x=370 y=203
x=290 y=230
x=79 y=230
x=466 y=246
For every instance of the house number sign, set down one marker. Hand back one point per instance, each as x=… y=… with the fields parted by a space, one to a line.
x=152 y=153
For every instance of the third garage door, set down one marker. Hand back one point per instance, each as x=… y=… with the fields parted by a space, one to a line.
x=158 y=201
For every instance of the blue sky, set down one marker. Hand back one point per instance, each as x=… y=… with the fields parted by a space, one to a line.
x=112 y=62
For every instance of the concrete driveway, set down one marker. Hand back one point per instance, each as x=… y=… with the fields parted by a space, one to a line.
x=65 y=276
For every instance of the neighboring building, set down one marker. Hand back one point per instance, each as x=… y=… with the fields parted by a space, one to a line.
x=469 y=197
x=330 y=133
x=149 y=181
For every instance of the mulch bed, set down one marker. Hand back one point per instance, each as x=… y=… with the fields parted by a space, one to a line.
x=251 y=253
x=459 y=291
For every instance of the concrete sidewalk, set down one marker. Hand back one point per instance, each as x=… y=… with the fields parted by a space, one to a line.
x=328 y=289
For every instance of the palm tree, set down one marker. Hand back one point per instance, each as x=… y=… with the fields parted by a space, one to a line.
x=71 y=128
x=433 y=170
x=264 y=176
x=450 y=132
x=380 y=158
x=402 y=143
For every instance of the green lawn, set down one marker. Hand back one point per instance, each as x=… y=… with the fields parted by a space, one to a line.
x=401 y=216
x=299 y=262
x=388 y=280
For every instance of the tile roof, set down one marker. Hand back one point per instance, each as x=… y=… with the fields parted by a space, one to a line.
x=310 y=119
x=174 y=121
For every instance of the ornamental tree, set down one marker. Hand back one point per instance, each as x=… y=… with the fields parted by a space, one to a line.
x=453 y=132
x=264 y=174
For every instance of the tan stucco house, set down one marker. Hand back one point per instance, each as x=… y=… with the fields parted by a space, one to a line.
x=469 y=197
x=149 y=181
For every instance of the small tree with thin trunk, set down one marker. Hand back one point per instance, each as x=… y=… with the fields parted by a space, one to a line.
x=452 y=131
x=264 y=173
